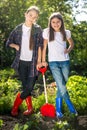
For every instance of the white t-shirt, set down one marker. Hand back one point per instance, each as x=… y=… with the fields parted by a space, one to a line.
x=26 y=53
x=56 y=48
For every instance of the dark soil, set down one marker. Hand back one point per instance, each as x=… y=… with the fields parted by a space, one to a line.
x=80 y=123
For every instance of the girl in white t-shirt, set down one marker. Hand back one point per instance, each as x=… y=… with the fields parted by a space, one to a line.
x=55 y=37
x=27 y=40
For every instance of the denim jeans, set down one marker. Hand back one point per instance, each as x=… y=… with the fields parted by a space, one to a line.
x=60 y=71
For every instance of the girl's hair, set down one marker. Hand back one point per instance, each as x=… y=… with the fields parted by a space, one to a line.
x=35 y=8
x=62 y=28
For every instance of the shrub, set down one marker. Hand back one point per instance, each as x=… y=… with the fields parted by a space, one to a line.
x=8 y=89
x=77 y=87
x=1 y=123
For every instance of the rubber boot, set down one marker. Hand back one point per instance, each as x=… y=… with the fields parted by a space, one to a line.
x=16 y=105
x=71 y=107
x=59 y=107
x=29 y=105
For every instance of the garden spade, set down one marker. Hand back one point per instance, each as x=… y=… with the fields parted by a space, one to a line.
x=47 y=109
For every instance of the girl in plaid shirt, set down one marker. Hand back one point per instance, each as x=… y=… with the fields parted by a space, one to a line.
x=27 y=40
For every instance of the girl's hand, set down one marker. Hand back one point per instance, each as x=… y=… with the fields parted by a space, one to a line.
x=17 y=47
x=39 y=65
x=45 y=64
x=66 y=51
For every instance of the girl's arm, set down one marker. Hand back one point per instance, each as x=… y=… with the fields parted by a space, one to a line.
x=15 y=46
x=39 y=64
x=44 y=63
x=71 y=45
x=10 y=42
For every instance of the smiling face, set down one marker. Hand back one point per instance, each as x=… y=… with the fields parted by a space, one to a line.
x=30 y=17
x=56 y=24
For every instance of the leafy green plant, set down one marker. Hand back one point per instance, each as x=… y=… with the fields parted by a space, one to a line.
x=8 y=89
x=32 y=124
x=1 y=123
x=77 y=87
x=6 y=73
x=63 y=125
x=21 y=127
x=38 y=102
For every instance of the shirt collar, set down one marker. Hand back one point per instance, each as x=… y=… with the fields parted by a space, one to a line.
x=25 y=28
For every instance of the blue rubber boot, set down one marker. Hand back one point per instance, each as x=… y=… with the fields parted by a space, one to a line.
x=59 y=107
x=71 y=107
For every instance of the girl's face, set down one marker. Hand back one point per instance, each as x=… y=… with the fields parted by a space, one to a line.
x=31 y=17
x=56 y=24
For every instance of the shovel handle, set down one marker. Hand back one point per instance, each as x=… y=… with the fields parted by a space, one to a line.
x=45 y=91
x=43 y=70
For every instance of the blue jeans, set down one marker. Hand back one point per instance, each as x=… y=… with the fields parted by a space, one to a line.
x=60 y=71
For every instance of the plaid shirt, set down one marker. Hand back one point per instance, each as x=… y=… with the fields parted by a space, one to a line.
x=16 y=38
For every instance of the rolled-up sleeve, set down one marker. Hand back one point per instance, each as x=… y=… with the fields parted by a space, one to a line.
x=45 y=34
x=10 y=38
x=68 y=34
